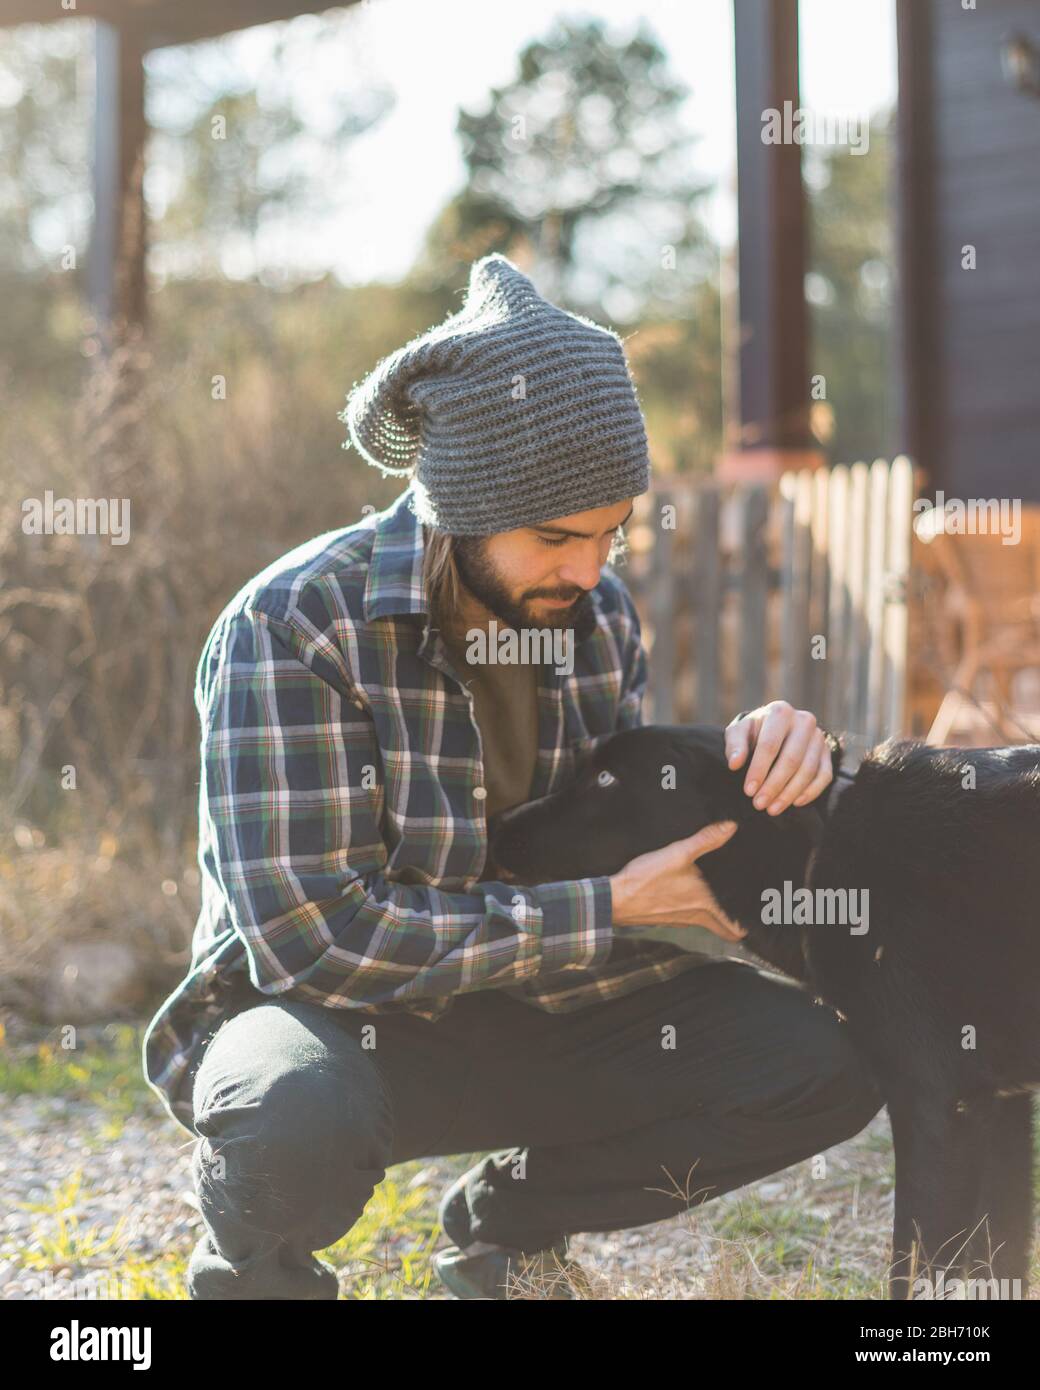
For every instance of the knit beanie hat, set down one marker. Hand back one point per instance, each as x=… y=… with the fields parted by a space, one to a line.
x=509 y=413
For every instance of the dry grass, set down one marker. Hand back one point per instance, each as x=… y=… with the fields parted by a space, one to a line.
x=99 y=642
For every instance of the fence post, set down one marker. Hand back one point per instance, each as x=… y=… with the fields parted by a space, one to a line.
x=874 y=663
x=706 y=602
x=754 y=581
x=796 y=517
x=897 y=576
x=837 y=615
x=819 y=591
x=662 y=607
x=856 y=541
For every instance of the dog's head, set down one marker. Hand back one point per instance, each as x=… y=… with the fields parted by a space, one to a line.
x=643 y=788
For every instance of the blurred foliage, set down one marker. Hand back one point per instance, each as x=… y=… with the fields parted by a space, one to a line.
x=237 y=160
x=849 y=288
x=45 y=134
x=584 y=159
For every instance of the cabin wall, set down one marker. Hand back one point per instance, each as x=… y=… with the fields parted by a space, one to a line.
x=969 y=176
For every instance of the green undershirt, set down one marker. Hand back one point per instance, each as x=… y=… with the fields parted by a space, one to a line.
x=505 y=699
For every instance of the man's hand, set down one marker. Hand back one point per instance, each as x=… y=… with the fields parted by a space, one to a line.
x=666 y=889
x=792 y=760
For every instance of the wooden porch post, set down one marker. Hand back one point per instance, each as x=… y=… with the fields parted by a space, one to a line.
x=771 y=349
x=116 y=258
x=917 y=303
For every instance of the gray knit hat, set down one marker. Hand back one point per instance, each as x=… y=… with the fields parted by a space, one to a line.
x=509 y=413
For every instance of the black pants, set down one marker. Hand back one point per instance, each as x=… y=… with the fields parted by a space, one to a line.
x=613 y=1116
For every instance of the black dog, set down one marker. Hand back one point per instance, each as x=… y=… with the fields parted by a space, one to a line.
x=921 y=928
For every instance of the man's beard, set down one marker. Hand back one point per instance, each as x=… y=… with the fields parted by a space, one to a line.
x=484 y=583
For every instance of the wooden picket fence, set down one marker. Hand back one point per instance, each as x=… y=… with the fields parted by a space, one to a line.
x=798 y=590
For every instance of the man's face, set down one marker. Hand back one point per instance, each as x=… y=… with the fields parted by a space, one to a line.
x=540 y=576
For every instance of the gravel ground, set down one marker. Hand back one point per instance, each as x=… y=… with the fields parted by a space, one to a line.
x=756 y=1243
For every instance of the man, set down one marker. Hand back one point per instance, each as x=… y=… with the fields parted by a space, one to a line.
x=362 y=991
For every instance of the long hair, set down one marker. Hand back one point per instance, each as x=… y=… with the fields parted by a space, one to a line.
x=441 y=578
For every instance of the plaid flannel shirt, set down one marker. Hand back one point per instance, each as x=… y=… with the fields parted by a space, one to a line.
x=342 y=830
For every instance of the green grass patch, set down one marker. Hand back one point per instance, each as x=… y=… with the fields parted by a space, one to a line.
x=104 y=1068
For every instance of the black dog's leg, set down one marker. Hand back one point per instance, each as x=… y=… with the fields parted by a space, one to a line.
x=1002 y=1247
x=939 y=1150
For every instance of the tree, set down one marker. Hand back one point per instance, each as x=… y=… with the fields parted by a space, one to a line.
x=44 y=146
x=584 y=163
x=243 y=164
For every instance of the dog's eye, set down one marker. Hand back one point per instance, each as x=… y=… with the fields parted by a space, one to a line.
x=606 y=779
